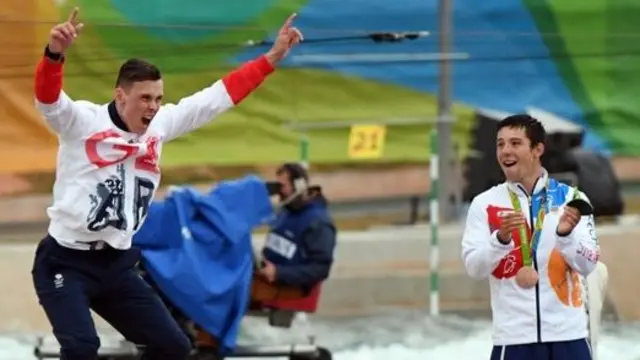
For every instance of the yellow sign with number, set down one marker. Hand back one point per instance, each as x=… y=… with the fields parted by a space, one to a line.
x=367 y=141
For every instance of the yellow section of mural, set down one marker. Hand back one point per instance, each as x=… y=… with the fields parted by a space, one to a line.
x=26 y=143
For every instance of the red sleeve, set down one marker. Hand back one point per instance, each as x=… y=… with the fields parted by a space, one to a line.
x=243 y=80
x=48 y=83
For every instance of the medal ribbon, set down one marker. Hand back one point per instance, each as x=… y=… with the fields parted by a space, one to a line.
x=528 y=241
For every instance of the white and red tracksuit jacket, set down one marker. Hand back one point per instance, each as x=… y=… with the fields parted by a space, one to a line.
x=553 y=310
x=107 y=177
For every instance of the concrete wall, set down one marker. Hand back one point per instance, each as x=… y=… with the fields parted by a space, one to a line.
x=391 y=266
x=374 y=270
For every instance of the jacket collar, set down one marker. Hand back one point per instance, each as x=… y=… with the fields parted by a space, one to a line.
x=519 y=189
x=115 y=117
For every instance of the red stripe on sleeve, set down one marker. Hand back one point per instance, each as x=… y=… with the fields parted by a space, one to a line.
x=48 y=83
x=245 y=79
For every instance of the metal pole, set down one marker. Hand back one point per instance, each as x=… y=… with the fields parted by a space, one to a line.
x=304 y=151
x=445 y=118
x=434 y=251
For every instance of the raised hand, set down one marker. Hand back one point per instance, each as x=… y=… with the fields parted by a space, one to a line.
x=568 y=221
x=62 y=35
x=288 y=37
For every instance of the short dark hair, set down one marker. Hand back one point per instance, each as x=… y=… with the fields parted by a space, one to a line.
x=533 y=129
x=136 y=70
x=294 y=170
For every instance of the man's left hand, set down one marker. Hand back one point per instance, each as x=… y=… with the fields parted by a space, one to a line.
x=568 y=221
x=288 y=37
x=268 y=271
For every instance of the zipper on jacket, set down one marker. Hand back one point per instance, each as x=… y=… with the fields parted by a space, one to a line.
x=535 y=262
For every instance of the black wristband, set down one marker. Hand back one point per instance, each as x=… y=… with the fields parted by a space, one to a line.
x=53 y=56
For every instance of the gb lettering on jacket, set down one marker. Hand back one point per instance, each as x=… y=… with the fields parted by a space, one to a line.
x=135 y=167
x=108 y=148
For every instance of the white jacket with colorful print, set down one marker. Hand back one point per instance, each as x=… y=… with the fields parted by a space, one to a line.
x=553 y=310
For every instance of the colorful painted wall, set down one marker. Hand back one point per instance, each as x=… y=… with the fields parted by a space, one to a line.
x=25 y=142
x=576 y=59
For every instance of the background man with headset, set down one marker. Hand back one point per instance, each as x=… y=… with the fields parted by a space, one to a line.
x=299 y=248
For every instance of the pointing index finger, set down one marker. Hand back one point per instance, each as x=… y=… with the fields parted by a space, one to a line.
x=287 y=24
x=73 y=17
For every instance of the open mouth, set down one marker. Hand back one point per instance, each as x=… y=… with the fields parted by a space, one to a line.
x=146 y=121
x=509 y=163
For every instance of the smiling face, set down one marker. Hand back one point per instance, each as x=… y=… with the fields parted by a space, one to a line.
x=517 y=156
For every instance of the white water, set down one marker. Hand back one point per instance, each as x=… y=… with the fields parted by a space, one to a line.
x=477 y=347
x=405 y=336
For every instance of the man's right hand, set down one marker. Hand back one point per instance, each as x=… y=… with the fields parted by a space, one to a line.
x=288 y=37
x=510 y=222
x=62 y=35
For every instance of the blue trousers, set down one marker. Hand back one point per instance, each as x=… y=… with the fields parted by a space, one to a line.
x=71 y=282
x=563 y=350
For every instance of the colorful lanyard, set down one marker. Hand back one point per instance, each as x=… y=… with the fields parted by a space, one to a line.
x=528 y=245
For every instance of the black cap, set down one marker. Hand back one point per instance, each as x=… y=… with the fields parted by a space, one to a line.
x=582 y=206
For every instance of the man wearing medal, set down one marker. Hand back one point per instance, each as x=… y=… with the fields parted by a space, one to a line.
x=534 y=238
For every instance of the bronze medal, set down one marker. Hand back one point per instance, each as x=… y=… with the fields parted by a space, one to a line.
x=527 y=277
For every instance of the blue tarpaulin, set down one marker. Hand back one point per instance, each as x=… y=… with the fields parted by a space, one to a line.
x=197 y=249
